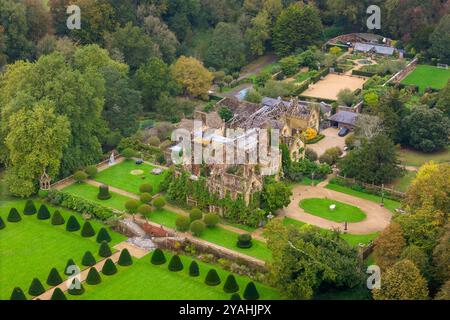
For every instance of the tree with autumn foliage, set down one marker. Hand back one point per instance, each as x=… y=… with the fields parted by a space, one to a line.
x=389 y=246
x=194 y=78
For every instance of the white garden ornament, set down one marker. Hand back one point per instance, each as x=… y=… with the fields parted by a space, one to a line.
x=332 y=206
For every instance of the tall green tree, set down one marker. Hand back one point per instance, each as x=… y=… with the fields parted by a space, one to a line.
x=297 y=27
x=35 y=141
x=440 y=45
x=227 y=48
x=374 y=162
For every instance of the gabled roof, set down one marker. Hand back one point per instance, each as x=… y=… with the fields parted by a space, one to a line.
x=380 y=49
x=345 y=117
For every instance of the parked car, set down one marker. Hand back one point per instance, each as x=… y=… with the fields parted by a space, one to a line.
x=343 y=132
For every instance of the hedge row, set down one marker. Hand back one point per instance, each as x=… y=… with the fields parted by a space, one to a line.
x=79 y=204
x=363 y=73
x=315 y=139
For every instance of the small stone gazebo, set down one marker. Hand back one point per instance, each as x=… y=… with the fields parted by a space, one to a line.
x=45 y=181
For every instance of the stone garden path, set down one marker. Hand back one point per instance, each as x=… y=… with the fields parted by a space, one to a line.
x=377 y=217
x=134 y=252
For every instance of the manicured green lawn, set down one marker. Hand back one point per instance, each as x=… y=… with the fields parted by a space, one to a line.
x=89 y=192
x=351 y=239
x=388 y=203
x=415 y=158
x=404 y=182
x=342 y=213
x=31 y=247
x=428 y=76
x=168 y=218
x=145 y=281
x=119 y=176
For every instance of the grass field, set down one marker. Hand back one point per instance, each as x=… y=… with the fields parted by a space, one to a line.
x=342 y=213
x=161 y=284
x=402 y=184
x=120 y=176
x=351 y=239
x=31 y=247
x=416 y=158
x=388 y=203
x=426 y=76
x=168 y=219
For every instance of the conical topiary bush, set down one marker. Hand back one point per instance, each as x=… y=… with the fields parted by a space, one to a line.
x=14 y=215
x=125 y=258
x=230 y=285
x=93 y=277
x=36 y=288
x=43 y=213
x=175 y=264
x=158 y=257
x=30 y=208
x=72 y=224
x=212 y=278
x=2 y=224
x=54 y=278
x=103 y=235
x=194 y=271
x=250 y=292
x=76 y=288
x=67 y=270
x=88 y=259
x=104 y=250
x=17 y=294
x=87 y=231
x=109 y=268
x=235 y=296
x=57 y=218
x=58 y=294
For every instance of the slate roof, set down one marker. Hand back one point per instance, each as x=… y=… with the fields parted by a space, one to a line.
x=345 y=117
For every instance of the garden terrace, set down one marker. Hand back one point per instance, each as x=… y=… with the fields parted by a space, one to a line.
x=30 y=248
x=161 y=284
x=128 y=176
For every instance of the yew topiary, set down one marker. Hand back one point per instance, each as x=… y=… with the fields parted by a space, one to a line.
x=67 y=269
x=175 y=264
x=212 y=278
x=230 y=285
x=43 y=212
x=158 y=257
x=91 y=171
x=88 y=259
x=194 y=270
x=58 y=294
x=211 y=220
x=159 y=202
x=195 y=214
x=182 y=223
x=145 y=198
x=104 y=250
x=144 y=209
x=2 y=224
x=244 y=241
x=146 y=188
x=103 y=192
x=125 y=258
x=72 y=224
x=57 y=218
x=36 y=288
x=76 y=288
x=30 y=208
x=250 y=292
x=109 y=268
x=17 y=294
x=132 y=206
x=197 y=227
x=80 y=176
x=54 y=278
x=103 y=235
x=14 y=215
x=93 y=277
x=235 y=296
x=87 y=231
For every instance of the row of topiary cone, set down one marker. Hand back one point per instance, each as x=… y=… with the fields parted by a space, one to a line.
x=211 y=279
x=56 y=219
x=54 y=279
